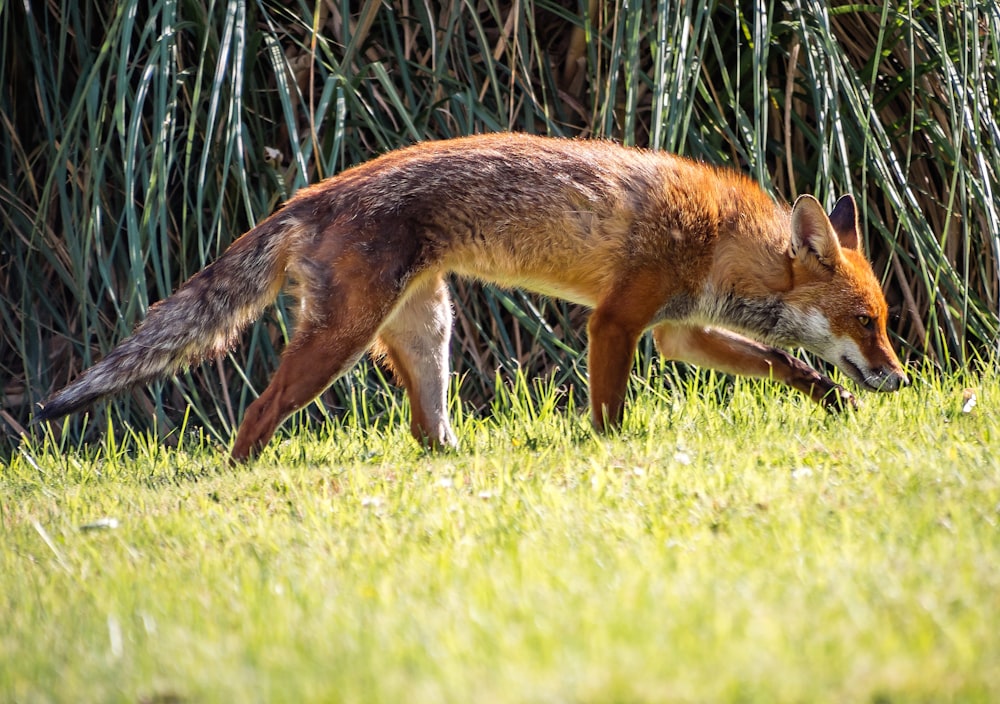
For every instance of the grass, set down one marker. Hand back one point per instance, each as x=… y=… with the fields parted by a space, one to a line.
x=733 y=544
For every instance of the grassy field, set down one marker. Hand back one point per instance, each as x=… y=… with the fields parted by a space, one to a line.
x=733 y=544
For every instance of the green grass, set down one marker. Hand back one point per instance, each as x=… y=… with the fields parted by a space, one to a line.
x=732 y=544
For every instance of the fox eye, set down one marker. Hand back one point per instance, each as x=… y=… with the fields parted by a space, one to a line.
x=865 y=320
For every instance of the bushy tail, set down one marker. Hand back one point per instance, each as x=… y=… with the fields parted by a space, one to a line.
x=202 y=318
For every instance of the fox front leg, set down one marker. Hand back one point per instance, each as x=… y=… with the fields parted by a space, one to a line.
x=735 y=354
x=614 y=329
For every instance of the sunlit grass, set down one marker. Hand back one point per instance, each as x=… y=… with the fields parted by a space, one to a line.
x=733 y=543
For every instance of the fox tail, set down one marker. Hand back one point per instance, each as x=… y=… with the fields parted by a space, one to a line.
x=201 y=319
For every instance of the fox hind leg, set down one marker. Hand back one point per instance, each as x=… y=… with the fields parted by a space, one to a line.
x=415 y=341
x=329 y=341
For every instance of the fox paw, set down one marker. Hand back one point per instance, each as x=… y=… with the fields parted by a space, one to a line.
x=839 y=399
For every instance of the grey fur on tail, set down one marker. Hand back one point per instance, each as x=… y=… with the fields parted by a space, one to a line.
x=199 y=320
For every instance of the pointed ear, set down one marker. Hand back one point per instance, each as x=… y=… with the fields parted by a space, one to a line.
x=844 y=218
x=813 y=240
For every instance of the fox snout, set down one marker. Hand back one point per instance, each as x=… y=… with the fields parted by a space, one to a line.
x=885 y=377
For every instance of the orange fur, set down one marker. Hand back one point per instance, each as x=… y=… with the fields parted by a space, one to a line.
x=700 y=255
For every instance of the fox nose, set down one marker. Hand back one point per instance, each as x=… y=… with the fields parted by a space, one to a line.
x=890 y=377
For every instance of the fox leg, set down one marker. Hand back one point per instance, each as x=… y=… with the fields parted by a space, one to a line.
x=312 y=361
x=735 y=354
x=415 y=342
x=610 y=353
x=338 y=329
x=613 y=331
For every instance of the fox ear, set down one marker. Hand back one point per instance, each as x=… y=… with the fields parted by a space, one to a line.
x=813 y=237
x=844 y=218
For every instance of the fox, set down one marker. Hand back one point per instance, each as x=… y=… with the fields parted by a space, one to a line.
x=722 y=274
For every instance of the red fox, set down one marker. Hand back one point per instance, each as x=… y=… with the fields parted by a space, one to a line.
x=701 y=256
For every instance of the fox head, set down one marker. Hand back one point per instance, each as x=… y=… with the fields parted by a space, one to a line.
x=837 y=297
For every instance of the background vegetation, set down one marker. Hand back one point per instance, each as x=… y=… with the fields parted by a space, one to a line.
x=137 y=139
